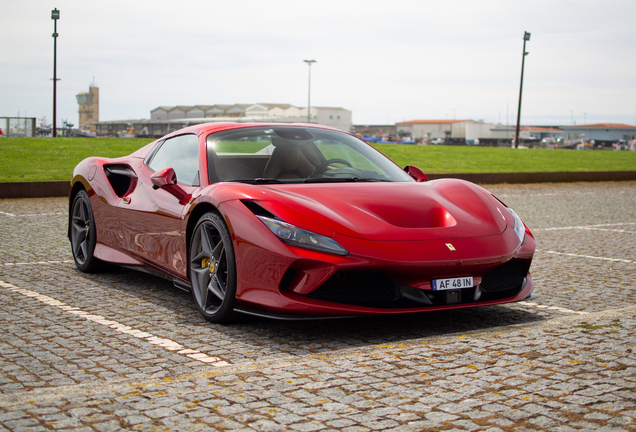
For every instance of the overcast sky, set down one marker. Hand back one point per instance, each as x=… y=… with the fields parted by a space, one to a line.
x=386 y=61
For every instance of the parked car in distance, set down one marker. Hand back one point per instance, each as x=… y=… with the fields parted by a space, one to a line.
x=620 y=145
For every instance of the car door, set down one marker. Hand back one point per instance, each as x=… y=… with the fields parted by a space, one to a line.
x=151 y=219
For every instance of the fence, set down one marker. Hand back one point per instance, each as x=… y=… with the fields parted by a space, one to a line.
x=17 y=126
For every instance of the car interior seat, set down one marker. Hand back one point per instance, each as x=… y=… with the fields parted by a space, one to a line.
x=291 y=160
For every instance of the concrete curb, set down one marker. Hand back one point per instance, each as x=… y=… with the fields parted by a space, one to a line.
x=541 y=177
x=35 y=189
x=62 y=188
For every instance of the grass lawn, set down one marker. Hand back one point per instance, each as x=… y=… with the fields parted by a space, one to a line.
x=51 y=159
x=464 y=159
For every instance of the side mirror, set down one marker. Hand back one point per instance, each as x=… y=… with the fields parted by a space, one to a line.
x=163 y=177
x=415 y=173
x=166 y=179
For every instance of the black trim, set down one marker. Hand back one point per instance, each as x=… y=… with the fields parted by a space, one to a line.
x=531 y=296
x=182 y=285
x=285 y=317
x=152 y=153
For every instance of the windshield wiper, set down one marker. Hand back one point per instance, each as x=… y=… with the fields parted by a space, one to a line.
x=256 y=180
x=342 y=180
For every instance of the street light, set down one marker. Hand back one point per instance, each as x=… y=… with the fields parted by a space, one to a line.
x=55 y=15
x=309 y=62
x=526 y=37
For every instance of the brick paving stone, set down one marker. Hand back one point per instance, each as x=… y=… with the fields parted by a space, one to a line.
x=440 y=417
x=266 y=425
x=526 y=367
x=307 y=426
x=340 y=423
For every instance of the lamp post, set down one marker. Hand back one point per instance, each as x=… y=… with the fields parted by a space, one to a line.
x=507 y=117
x=55 y=15
x=526 y=37
x=309 y=62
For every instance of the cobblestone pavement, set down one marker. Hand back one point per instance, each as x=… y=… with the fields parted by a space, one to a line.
x=123 y=350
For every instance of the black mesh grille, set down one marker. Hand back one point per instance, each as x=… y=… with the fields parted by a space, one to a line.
x=379 y=291
x=505 y=277
x=359 y=288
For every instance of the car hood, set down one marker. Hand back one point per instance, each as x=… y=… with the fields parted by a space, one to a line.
x=439 y=209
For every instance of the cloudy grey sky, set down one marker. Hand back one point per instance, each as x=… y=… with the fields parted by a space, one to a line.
x=386 y=61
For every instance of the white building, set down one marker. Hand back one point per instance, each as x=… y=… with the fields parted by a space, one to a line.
x=459 y=129
x=272 y=110
x=160 y=113
x=336 y=117
x=603 y=132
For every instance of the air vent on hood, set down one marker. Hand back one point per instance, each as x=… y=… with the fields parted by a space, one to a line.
x=256 y=209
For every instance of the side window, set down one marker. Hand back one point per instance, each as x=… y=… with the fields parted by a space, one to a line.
x=180 y=153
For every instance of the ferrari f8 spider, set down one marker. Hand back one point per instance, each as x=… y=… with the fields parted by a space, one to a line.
x=296 y=221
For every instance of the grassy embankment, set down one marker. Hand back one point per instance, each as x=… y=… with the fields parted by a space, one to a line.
x=53 y=159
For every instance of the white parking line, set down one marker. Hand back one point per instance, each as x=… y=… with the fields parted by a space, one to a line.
x=587 y=256
x=545 y=194
x=36 y=263
x=556 y=308
x=32 y=214
x=43 y=214
x=610 y=230
x=167 y=344
x=590 y=227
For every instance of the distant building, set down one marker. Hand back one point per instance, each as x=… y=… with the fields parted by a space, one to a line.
x=601 y=132
x=337 y=117
x=88 y=108
x=530 y=133
x=160 y=113
x=427 y=130
x=165 y=119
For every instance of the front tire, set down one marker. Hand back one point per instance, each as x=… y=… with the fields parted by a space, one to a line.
x=83 y=234
x=212 y=269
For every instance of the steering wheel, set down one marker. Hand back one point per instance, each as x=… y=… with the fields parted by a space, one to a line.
x=320 y=168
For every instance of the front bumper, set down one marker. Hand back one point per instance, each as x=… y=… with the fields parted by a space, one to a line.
x=275 y=278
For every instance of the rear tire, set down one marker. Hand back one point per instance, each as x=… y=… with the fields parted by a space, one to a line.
x=83 y=234
x=212 y=269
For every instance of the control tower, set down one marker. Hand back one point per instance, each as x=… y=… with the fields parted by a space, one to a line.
x=88 y=108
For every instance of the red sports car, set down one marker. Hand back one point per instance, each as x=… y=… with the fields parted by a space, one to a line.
x=296 y=221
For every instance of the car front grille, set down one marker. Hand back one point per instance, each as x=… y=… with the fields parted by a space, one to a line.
x=377 y=290
x=358 y=288
x=507 y=276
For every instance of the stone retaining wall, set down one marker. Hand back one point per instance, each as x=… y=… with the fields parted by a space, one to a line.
x=58 y=189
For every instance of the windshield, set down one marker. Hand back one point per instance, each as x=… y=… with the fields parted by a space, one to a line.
x=290 y=154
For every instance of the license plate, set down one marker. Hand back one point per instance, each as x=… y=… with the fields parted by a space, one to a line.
x=451 y=284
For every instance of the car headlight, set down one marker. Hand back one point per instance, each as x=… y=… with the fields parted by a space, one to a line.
x=295 y=236
x=520 y=228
